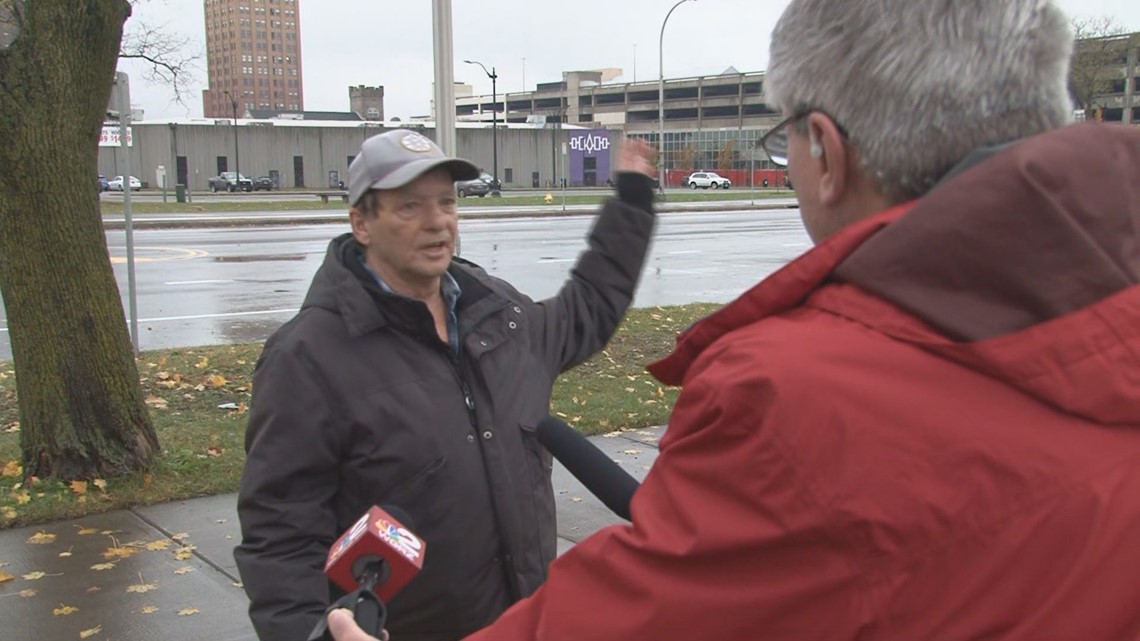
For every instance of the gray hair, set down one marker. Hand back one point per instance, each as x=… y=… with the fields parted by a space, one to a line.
x=918 y=84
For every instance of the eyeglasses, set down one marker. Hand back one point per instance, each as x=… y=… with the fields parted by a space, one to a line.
x=775 y=142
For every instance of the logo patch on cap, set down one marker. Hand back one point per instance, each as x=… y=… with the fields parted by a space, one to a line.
x=417 y=143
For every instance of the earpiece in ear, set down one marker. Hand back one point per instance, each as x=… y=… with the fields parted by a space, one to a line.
x=816 y=149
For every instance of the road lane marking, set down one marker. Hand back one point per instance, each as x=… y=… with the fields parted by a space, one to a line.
x=197 y=282
x=204 y=316
x=175 y=253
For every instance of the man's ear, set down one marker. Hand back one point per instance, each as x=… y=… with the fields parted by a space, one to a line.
x=828 y=148
x=360 y=232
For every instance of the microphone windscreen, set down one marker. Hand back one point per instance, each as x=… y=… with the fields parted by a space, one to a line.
x=377 y=535
x=604 y=478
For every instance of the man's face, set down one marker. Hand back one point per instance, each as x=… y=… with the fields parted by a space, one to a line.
x=410 y=238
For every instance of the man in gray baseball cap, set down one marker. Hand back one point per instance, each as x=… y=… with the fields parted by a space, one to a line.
x=413 y=378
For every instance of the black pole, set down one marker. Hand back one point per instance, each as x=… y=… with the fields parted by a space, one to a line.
x=494 y=130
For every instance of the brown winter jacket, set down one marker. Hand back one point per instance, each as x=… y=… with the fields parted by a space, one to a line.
x=358 y=403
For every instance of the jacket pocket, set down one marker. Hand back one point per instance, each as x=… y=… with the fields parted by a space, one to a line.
x=412 y=488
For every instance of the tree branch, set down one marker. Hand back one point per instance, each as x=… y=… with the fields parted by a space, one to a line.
x=170 y=59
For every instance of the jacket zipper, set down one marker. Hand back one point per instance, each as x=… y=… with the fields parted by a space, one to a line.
x=506 y=560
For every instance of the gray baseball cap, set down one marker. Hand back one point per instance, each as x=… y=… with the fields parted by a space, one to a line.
x=395 y=158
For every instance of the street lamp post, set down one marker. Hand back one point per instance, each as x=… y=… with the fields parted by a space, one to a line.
x=237 y=158
x=494 y=124
x=661 y=99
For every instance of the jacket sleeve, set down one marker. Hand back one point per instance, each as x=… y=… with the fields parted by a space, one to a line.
x=285 y=500
x=726 y=542
x=582 y=317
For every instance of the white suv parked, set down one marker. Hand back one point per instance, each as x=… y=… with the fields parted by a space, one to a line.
x=706 y=179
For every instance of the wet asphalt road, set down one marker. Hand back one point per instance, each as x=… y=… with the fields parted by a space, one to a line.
x=211 y=286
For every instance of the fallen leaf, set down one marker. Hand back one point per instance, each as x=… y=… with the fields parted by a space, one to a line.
x=239 y=584
x=148 y=480
x=5 y=577
x=22 y=497
x=215 y=451
x=185 y=612
x=140 y=586
x=93 y=589
x=161 y=544
x=156 y=402
x=8 y=512
x=100 y=483
x=12 y=428
x=79 y=487
x=186 y=569
x=220 y=521
x=163 y=376
x=27 y=594
x=65 y=610
x=90 y=632
x=67 y=553
x=33 y=576
x=41 y=538
x=148 y=609
x=180 y=536
x=12 y=468
x=631 y=452
x=214 y=381
x=576 y=499
x=103 y=566
x=87 y=531
x=184 y=553
x=121 y=552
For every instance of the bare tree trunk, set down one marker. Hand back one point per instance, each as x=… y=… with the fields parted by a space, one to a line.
x=82 y=413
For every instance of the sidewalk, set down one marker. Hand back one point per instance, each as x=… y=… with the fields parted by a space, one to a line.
x=167 y=571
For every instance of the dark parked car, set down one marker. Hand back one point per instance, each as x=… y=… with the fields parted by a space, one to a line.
x=230 y=181
x=262 y=182
x=477 y=187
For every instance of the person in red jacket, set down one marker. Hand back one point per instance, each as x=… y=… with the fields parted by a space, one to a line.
x=927 y=426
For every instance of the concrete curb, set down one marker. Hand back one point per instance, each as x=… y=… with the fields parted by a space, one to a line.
x=236 y=219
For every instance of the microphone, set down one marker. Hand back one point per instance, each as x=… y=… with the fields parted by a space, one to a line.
x=372 y=561
x=597 y=471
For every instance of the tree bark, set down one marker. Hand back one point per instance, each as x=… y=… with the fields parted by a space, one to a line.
x=82 y=413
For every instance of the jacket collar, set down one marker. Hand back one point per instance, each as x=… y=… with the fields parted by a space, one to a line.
x=783 y=290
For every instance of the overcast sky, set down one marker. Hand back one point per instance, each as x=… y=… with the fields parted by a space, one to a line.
x=389 y=43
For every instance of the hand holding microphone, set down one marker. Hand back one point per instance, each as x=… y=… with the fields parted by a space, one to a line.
x=344 y=628
x=373 y=561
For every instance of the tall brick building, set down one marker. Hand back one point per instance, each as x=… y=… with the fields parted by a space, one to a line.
x=253 y=56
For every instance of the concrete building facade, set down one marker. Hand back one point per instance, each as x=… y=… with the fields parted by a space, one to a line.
x=253 y=57
x=312 y=155
x=1119 y=100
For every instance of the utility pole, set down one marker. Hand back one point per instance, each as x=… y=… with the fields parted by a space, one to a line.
x=444 y=77
x=123 y=93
